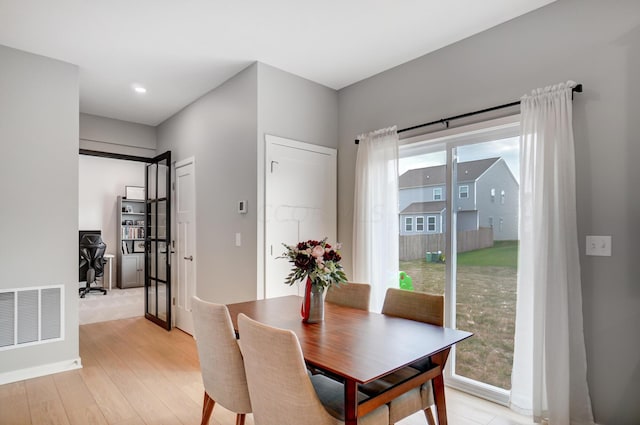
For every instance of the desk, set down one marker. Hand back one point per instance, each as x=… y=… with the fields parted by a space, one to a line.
x=109 y=258
x=360 y=347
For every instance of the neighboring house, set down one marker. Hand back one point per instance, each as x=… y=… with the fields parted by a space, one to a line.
x=486 y=196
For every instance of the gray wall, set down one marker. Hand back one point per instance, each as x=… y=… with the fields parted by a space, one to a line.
x=224 y=131
x=117 y=136
x=295 y=108
x=219 y=131
x=593 y=42
x=39 y=186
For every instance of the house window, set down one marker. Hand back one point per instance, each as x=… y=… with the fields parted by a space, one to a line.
x=493 y=195
x=500 y=225
x=419 y=224
x=463 y=191
x=491 y=222
x=502 y=197
x=431 y=223
x=408 y=224
x=437 y=194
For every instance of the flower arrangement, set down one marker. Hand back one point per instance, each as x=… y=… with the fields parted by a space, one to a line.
x=317 y=260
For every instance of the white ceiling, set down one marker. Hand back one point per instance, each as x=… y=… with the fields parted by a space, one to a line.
x=180 y=49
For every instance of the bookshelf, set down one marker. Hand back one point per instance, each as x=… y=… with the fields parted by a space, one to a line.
x=131 y=239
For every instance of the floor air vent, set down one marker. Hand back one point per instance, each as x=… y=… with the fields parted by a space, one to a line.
x=31 y=316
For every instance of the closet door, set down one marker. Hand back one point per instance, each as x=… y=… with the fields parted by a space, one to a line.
x=295 y=209
x=157 y=275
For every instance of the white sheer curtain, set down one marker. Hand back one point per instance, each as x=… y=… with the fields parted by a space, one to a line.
x=375 y=213
x=549 y=377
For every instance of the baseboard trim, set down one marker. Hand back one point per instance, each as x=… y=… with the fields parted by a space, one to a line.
x=42 y=370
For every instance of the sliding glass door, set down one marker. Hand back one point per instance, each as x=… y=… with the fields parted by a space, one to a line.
x=459 y=237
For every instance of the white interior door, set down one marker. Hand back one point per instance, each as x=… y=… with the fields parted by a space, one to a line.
x=300 y=204
x=185 y=207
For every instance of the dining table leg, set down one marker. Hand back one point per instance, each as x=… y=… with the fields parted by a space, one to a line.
x=350 y=402
x=438 y=386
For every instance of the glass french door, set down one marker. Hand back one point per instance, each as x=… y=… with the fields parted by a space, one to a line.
x=464 y=188
x=157 y=275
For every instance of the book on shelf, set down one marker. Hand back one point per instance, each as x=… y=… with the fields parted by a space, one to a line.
x=133 y=233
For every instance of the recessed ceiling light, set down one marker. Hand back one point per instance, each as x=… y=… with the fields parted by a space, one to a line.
x=140 y=89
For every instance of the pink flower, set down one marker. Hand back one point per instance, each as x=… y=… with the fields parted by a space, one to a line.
x=317 y=252
x=316 y=260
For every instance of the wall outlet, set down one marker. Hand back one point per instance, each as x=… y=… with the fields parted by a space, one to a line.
x=599 y=246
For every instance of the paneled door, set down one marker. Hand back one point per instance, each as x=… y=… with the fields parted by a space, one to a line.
x=157 y=275
x=185 y=210
x=300 y=204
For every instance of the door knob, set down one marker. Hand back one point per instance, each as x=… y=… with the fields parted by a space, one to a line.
x=190 y=258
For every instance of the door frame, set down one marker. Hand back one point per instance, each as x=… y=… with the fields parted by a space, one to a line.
x=167 y=323
x=262 y=249
x=448 y=140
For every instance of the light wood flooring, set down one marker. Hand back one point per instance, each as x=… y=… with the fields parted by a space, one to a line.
x=135 y=373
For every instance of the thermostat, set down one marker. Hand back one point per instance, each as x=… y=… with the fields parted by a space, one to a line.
x=242 y=207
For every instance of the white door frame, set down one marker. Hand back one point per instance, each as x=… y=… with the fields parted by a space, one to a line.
x=261 y=201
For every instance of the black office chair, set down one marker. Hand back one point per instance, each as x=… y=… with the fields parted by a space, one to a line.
x=92 y=257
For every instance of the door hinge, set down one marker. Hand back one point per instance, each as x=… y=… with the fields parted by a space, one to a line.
x=173 y=301
x=173 y=186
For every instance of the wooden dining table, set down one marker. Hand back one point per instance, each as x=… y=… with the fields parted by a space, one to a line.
x=359 y=347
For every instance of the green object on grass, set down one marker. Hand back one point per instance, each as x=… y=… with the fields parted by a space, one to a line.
x=406 y=282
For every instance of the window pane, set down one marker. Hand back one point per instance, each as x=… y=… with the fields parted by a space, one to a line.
x=486 y=262
x=421 y=190
x=431 y=223
x=408 y=224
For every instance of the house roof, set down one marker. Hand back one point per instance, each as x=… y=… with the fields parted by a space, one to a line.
x=436 y=176
x=425 y=207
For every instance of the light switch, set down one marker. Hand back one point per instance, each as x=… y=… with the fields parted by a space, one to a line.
x=238 y=239
x=242 y=207
x=599 y=246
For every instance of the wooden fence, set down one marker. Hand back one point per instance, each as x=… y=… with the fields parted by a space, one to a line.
x=413 y=247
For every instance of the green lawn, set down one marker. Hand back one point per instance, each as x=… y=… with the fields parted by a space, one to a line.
x=486 y=299
x=502 y=254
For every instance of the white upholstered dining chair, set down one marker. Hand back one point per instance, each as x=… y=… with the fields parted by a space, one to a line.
x=421 y=307
x=221 y=361
x=282 y=392
x=354 y=295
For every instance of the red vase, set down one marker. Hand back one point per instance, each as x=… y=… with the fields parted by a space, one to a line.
x=312 y=310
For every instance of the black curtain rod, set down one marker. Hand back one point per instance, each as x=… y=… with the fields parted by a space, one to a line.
x=445 y=121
